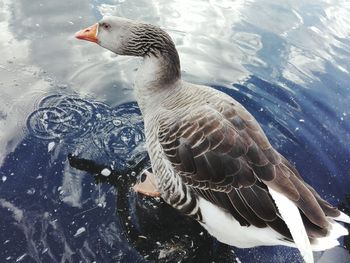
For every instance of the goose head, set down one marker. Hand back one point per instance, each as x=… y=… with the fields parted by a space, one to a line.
x=123 y=36
x=127 y=37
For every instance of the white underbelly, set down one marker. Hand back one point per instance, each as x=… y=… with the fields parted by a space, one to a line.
x=225 y=228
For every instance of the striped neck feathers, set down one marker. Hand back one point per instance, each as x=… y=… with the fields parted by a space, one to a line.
x=161 y=64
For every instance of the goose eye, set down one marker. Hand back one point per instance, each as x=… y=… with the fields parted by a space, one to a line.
x=105 y=26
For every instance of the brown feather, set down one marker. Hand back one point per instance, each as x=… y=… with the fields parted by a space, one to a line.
x=227 y=159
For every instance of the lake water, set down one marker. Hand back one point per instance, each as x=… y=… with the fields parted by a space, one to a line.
x=287 y=62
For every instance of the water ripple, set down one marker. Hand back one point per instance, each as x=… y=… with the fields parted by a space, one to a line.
x=117 y=132
x=120 y=132
x=61 y=117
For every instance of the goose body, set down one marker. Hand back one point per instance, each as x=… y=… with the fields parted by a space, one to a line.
x=210 y=158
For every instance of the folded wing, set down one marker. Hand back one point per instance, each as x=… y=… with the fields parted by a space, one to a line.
x=224 y=155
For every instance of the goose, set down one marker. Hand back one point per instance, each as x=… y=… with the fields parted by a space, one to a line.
x=210 y=158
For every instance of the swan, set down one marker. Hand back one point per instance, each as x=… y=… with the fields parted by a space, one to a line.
x=210 y=158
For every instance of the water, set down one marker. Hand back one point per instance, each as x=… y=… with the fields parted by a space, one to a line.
x=286 y=61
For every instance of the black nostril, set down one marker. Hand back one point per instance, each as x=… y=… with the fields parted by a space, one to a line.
x=143 y=177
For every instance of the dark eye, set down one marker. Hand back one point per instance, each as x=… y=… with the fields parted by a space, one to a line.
x=105 y=26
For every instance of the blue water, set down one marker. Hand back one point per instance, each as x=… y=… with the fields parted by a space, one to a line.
x=287 y=63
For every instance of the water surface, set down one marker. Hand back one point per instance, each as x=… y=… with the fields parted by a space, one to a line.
x=286 y=61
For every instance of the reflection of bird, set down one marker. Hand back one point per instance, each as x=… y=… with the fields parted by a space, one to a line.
x=211 y=159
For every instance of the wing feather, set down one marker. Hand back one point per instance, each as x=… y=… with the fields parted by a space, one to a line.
x=221 y=152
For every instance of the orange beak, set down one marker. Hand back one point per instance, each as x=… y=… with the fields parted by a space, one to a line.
x=89 y=34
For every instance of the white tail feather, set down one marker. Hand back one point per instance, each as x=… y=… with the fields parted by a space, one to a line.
x=324 y=243
x=329 y=241
x=343 y=218
x=337 y=230
x=292 y=218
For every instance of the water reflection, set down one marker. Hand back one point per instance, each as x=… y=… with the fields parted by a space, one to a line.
x=287 y=62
